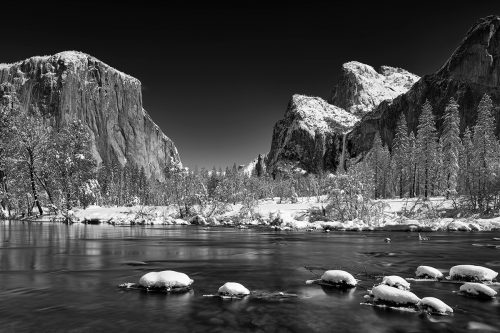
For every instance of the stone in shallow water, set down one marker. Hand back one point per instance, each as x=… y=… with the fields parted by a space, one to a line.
x=434 y=305
x=233 y=289
x=472 y=273
x=397 y=296
x=339 y=278
x=165 y=279
x=428 y=272
x=477 y=289
x=396 y=281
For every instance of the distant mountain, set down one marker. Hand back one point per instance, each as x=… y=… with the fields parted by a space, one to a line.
x=471 y=71
x=310 y=137
x=361 y=88
x=73 y=85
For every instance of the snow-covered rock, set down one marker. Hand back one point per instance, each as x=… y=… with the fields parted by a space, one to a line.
x=396 y=282
x=181 y=222
x=361 y=88
x=458 y=226
x=434 y=305
x=428 y=272
x=233 y=289
x=165 y=279
x=390 y=294
x=472 y=273
x=198 y=220
x=477 y=289
x=212 y=221
x=339 y=278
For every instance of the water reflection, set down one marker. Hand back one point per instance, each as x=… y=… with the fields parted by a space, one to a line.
x=64 y=277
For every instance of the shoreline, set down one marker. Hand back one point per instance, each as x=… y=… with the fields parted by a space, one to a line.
x=269 y=214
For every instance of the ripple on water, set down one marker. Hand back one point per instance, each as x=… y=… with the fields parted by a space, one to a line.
x=495 y=263
x=381 y=254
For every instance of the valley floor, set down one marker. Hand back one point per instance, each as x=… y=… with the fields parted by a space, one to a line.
x=424 y=216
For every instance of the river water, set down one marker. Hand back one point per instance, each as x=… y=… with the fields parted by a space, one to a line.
x=58 y=278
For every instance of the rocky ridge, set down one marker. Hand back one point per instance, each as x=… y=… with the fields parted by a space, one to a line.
x=472 y=71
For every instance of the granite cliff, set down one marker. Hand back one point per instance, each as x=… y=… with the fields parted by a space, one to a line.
x=73 y=85
x=472 y=71
x=310 y=137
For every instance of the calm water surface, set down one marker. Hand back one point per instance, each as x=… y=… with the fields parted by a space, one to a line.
x=58 y=278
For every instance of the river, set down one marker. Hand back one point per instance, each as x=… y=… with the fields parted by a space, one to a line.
x=59 y=278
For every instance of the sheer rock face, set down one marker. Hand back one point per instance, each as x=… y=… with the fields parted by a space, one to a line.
x=73 y=85
x=361 y=88
x=472 y=70
x=309 y=137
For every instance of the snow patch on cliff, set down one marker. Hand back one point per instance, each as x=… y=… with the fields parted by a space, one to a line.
x=363 y=88
x=315 y=114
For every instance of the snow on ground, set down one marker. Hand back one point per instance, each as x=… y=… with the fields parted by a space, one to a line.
x=290 y=216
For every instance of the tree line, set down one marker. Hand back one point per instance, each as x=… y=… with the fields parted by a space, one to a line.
x=424 y=164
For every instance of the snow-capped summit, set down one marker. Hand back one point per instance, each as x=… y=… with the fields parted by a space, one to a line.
x=361 y=88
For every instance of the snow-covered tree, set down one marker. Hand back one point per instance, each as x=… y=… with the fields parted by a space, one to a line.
x=426 y=146
x=400 y=157
x=485 y=152
x=379 y=159
x=450 y=139
x=29 y=144
x=72 y=162
x=412 y=164
x=466 y=156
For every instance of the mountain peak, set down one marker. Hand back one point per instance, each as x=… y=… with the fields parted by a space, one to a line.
x=361 y=88
x=73 y=61
x=477 y=58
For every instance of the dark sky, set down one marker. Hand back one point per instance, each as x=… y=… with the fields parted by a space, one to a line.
x=217 y=77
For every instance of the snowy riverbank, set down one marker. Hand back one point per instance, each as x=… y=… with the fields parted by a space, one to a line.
x=290 y=216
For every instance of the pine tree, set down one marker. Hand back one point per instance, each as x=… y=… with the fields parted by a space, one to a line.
x=379 y=159
x=426 y=146
x=450 y=139
x=486 y=152
x=412 y=164
x=466 y=156
x=400 y=147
